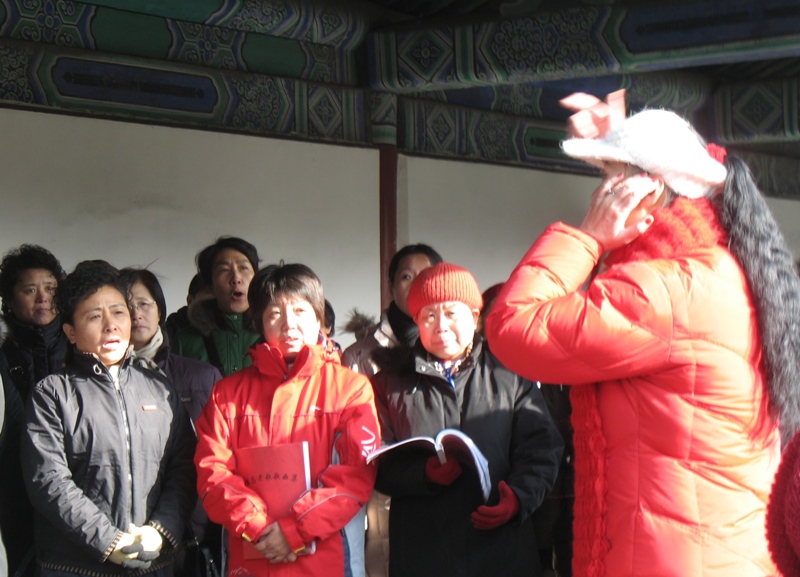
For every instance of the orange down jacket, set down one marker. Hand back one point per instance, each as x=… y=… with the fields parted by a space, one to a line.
x=673 y=349
x=319 y=401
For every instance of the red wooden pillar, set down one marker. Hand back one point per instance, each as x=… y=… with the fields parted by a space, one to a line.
x=388 y=216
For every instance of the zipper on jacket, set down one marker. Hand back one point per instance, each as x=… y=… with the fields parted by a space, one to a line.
x=122 y=406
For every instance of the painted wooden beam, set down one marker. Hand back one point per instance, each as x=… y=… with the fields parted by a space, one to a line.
x=115 y=31
x=684 y=92
x=84 y=82
x=315 y=21
x=761 y=112
x=583 y=43
x=776 y=176
x=437 y=129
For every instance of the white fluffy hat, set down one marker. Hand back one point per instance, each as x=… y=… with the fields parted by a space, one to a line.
x=661 y=143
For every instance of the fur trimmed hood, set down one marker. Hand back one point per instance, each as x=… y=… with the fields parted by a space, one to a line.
x=205 y=316
x=360 y=324
x=400 y=360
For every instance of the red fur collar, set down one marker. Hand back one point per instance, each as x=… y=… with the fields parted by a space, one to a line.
x=677 y=230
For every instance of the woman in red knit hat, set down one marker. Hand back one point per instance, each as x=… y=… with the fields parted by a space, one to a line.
x=672 y=310
x=439 y=523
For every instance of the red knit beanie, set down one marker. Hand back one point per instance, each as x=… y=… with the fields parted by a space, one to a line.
x=442 y=283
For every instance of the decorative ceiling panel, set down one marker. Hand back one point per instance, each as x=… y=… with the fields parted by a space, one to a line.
x=473 y=79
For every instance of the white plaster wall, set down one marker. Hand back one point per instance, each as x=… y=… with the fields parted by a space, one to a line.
x=485 y=217
x=134 y=194
x=787 y=213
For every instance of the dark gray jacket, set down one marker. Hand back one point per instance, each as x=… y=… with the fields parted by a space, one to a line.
x=430 y=530
x=97 y=457
x=193 y=380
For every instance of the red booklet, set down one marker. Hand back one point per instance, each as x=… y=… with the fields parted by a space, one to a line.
x=280 y=474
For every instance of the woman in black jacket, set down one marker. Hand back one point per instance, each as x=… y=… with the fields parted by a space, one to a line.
x=192 y=379
x=108 y=447
x=439 y=524
x=35 y=347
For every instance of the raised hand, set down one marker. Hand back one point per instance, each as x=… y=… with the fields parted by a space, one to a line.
x=609 y=214
x=593 y=117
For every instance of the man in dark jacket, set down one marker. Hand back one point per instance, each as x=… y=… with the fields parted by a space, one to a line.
x=439 y=524
x=219 y=333
x=108 y=447
x=179 y=320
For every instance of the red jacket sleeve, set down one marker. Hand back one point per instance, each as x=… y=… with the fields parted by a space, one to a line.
x=226 y=498
x=544 y=327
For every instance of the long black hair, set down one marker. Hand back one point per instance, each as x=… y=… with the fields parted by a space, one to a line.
x=757 y=242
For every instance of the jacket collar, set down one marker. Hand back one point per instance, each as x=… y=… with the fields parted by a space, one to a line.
x=205 y=316
x=383 y=333
x=680 y=229
x=89 y=363
x=30 y=336
x=269 y=361
x=425 y=363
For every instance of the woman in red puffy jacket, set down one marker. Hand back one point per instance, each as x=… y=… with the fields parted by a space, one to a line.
x=673 y=311
x=296 y=391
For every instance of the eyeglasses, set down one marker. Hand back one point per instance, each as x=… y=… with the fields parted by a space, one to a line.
x=143 y=306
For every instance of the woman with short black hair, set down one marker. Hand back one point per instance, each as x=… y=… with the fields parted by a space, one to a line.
x=35 y=346
x=107 y=449
x=192 y=379
x=295 y=391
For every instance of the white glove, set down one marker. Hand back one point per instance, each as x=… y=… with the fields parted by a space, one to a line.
x=127 y=551
x=148 y=536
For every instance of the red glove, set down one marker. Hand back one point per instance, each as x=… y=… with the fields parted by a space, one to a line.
x=440 y=474
x=486 y=518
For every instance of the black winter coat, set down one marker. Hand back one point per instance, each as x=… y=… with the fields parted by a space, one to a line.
x=32 y=353
x=97 y=457
x=430 y=530
x=192 y=379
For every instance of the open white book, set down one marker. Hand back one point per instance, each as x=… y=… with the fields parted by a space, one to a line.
x=449 y=443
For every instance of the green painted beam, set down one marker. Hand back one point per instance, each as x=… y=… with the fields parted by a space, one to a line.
x=329 y=22
x=583 y=43
x=776 y=176
x=762 y=112
x=193 y=11
x=115 y=31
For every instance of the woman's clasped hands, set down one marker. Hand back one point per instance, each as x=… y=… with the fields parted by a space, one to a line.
x=274 y=546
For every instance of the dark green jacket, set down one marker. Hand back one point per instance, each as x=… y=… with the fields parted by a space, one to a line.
x=225 y=335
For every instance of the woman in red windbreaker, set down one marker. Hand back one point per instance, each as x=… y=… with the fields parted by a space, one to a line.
x=295 y=391
x=673 y=310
